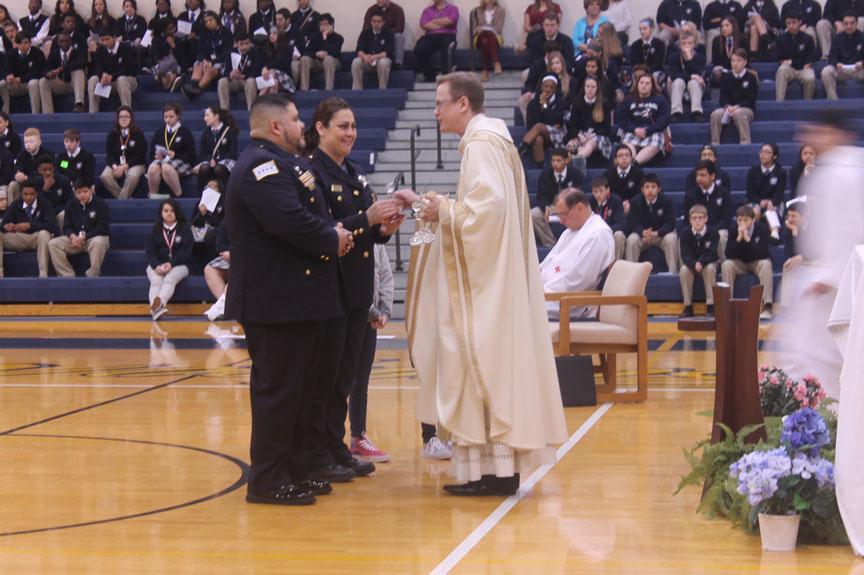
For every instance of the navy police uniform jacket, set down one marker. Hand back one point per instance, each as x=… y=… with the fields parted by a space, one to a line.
x=348 y=197
x=284 y=249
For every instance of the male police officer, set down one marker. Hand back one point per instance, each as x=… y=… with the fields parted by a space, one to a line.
x=284 y=248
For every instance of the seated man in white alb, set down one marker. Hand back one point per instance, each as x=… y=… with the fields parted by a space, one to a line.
x=583 y=252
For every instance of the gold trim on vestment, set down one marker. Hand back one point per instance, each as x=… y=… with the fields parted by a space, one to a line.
x=419 y=255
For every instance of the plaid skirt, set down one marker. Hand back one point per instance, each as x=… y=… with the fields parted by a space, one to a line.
x=657 y=140
x=219 y=263
x=284 y=80
x=167 y=65
x=604 y=144
x=556 y=135
x=181 y=167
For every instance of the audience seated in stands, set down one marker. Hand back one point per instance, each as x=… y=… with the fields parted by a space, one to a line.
x=708 y=152
x=4 y=205
x=673 y=14
x=261 y=21
x=172 y=152
x=125 y=155
x=7 y=168
x=487 y=21
x=739 y=89
x=206 y=220
x=699 y=255
x=802 y=168
x=809 y=13
x=304 y=20
x=560 y=175
x=9 y=138
x=131 y=27
x=618 y=13
x=715 y=198
x=587 y=28
x=375 y=52
x=748 y=251
x=232 y=18
x=545 y=122
x=684 y=68
x=28 y=160
x=798 y=54
x=651 y=223
x=23 y=69
x=550 y=33
x=217 y=273
x=65 y=74
x=279 y=52
x=115 y=68
x=78 y=37
x=55 y=189
x=610 y=207
x=218 y=150
x=642 y=120
x=846 y=59
x=322 y=52
x=193 y=16
x=160 y=19
x=766 y=187
x=762 y=28
x=725 y=43
x=712 y=23
x=214 y=46
x=532 y=22
x=539 y=68
x=624 y=177
x=438 y=22
x=167 y=55
x=86 y=228
x=607 y=49
x=169 y=248
x=240 y=77
x=794 y=227
x=589 y=128
x=394 y=20
x=832 y=22
x=35 y=24
x=28 y=225
x=648 y=50
x=74 y=161
x=581 y=255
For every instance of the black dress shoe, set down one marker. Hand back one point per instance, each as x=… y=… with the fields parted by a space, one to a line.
x=489 y=485
x=285 y=494
x=361 y=468
x=710 y=310
x=697 y=116
x=316 y=486
x=677 y=118
x=687 y=312
x=334 y=473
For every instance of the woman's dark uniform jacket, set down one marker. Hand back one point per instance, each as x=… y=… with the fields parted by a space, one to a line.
x=349 y=196
x=284 y=249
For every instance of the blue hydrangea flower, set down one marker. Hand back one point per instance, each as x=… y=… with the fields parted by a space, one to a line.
x=805 y=430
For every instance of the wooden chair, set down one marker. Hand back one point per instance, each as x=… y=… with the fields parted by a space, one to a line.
x=621 y=327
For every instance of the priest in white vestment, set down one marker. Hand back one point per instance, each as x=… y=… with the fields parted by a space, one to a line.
x=835 y=208
x=584 y=251
x=475 y=314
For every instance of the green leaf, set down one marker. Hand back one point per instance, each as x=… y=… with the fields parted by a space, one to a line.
x=706 y=413
x=800 y=503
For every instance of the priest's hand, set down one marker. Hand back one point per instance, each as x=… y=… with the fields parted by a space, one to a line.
x=817 y=289
x=430 y=212
x=407 y=197
x=792 y=263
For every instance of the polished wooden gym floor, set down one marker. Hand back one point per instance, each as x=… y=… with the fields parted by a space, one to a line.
x=123 y=449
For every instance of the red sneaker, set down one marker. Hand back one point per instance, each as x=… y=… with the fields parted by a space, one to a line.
x=364 y=450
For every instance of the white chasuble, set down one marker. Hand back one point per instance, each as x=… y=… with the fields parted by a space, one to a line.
x=476 y=318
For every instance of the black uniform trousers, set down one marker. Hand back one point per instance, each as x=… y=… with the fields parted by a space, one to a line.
x=284 y=364
x=426 y=46
x=337 y=368
x=360 y=394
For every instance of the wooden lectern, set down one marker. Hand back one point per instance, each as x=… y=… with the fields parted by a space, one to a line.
x=736 y=397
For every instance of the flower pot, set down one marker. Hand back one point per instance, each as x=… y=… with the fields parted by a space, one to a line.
x=779 y=532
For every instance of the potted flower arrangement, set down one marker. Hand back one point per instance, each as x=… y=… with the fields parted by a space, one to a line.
x=783 y=483
x=781 y=395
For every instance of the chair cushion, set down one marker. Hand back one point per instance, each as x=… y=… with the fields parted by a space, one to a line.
x=625 y=279
x=593 y=332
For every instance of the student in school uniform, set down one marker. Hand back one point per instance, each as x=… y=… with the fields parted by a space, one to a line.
x=130 y=27
x=648 y=50
x=610 y=207
x=172 y=152
x=739 y=89
x=709 y=152
x=321 y=52
x=35 y=24
x=794 y=229
x=115 y=64
x=560 y=175
x=125 y=155
x=217 y=273
x=712 y=23
x=193 y=16
x=375 y=48
x=589 y=128
x=28 y=225
x=729 y=39
x=684 y=68
x=545 y=121
x=65 y=74
x=218 y=147
x=642 y=120
x=798 y=56
x=651 y=222
x=207 y=220
x=74 y=161
x=698 y=245
x=749 y=251
x=169 y=247
x=715 y=198
x=86 y=227
x=7 y=168
x=9 y=138
x=846 y=58
x=242 y=76
x=214 y=45
x=23 y=69
x=55 y=189
x=33 y=154
x=766 y=187
x=624 y=177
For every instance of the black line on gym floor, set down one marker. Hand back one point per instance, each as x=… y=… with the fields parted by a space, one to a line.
x=240 y=482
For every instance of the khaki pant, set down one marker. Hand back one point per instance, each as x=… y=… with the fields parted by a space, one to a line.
x=676 y=95
x=542 y=231
x=47 y=89
x=786 y=74
x=668 y=243
x=31 y=88
x=620 y=240
x=226 y=87
x=130 y=182
x=124 y=86
x=741 y=119
x=60 y=247
x=709 y=44
x=329 y=65
x=358 y=68
x=831 y=74
x=24 y=242
x=163 y=286
x=762 y=268
x=709 y=279
x=721 y=245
